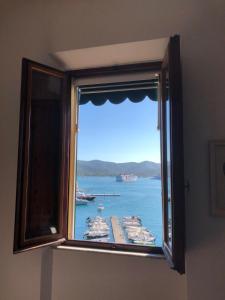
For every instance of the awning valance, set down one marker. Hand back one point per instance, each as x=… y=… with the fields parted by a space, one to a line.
x=116 y=93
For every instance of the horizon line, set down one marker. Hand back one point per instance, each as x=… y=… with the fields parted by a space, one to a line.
x=119 y=162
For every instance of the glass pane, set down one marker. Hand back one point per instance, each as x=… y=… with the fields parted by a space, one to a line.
x=44 y=156
x=118 y=190
x=168 y=155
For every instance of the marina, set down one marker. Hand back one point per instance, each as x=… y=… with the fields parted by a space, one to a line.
x=124 y=231
x=138 y=207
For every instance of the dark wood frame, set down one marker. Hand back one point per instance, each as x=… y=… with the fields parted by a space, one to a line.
x=216 y=210
x=20 y=202
x=109 y=71
x=167 y=249
x=154 y=66
x=20 y=242
x=171 y=63
x=175 y=255
x=115 y=247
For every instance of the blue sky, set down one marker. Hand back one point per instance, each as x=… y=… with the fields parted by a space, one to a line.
x=119 y=133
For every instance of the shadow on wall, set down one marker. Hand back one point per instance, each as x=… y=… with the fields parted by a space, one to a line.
x=209 y=229
x=46 y=274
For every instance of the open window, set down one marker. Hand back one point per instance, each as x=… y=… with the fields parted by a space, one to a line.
x=115 y=168
x=42 y=182
x=172 y=157
x=46 y=184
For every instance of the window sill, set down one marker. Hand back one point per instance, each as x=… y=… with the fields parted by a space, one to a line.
x=153 y=252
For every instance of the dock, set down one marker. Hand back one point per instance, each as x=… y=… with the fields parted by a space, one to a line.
x=103 y=195
x=117 y=231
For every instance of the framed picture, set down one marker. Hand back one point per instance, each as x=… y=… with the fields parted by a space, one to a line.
x=217 y=177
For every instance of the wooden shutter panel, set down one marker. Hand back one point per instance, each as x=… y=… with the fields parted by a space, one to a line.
x=42 y=179
x=172 y=157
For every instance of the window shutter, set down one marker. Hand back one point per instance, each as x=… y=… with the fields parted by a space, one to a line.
x=172 y=157
x=42 y=179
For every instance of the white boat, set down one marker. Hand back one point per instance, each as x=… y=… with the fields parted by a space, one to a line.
x=98 y=228
x=143 y=239
x=144 y=243
x=135 y=229
x=133 y=223
x=132 y=218
x=97 y=222
x=101 y=207
x=140 y=236
x=136 y=233
x=96 y=219
x=126 y=177
x=90 y=234
x=81 y=195
x=81 y=202
x=99 y=240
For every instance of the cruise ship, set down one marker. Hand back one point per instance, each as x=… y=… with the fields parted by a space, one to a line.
x=126 y=177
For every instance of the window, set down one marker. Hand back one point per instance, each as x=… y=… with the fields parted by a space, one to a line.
x=44 y=209
x=118 y=161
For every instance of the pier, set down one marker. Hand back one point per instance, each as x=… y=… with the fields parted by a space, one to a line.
x=103 y=195
x=117 y=231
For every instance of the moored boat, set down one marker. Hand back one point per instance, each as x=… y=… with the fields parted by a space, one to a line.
x=99 y=240
x=95 y=234
x=84 y=196
x=98 y=228
x=94 y=219
x=81 y=202
x=136 y=233
x=131 y=218
x=144 y=243
x=126 y=178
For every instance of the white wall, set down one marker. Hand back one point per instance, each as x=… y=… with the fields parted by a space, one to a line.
x=112 y=277
x=34 y=29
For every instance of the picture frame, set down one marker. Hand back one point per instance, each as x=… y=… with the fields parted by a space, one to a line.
x=217 y=177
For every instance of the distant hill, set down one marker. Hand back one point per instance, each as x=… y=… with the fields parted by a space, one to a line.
x=105 y=168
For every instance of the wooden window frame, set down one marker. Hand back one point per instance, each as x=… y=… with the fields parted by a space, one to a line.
x=173 y=255
x=94 y=73
x=20 y=242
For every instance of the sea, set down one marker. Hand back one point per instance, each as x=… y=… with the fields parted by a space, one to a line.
x=138 y=198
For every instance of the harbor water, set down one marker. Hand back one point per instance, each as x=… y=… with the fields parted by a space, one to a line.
x=140 y=198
